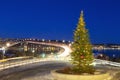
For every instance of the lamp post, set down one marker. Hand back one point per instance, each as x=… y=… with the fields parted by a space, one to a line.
x=33 y=51
x=3 y=52
x=4 y=49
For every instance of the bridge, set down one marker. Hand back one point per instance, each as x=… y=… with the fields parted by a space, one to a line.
x=66 y=48
x=9 y=45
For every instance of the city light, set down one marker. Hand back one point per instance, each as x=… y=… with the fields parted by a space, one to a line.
x=72 y=42
x=63 y=41
x=43 y=40
x=56 y=40
x=33 y=51
x=70 y=45
x=7 y=44
x=3 y=51
x=3 y=48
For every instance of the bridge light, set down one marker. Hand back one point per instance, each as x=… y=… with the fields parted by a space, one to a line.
x=33 y=51
x=43 y=40
x=33 y=39
x=56 y=40
x=43 y=55
x=7 y=44
x=3 y=48
x=63 y=41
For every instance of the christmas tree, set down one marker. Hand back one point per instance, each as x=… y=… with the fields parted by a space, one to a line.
x=82 y=55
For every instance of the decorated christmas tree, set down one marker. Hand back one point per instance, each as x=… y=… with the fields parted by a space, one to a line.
x=82 y=55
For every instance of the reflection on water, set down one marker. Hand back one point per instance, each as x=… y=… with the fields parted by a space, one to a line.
x=111 y=53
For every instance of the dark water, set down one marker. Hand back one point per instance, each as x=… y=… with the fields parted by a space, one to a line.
x=111 y=53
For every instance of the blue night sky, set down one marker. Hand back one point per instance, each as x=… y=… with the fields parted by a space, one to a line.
x=57 y=19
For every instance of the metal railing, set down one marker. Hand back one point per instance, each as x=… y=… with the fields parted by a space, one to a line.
x=104 y=62
x=11 y=64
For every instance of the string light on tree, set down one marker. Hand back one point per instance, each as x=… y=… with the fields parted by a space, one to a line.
x=82 y=55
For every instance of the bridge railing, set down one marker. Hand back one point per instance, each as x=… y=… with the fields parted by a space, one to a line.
x=13 y=63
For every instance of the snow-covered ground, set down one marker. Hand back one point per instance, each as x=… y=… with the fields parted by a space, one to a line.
x=37 y=71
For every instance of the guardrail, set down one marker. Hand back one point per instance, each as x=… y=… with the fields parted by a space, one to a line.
x=104 y=62
x=14 y=63
x=15 y=58
x=22 y=62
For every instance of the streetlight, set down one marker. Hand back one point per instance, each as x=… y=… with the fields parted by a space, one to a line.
x=49 y=40
x=7 y=44
x=33 y=51
x=3 y=50
x=63 y=41
x=43 y=40
x=43 y=55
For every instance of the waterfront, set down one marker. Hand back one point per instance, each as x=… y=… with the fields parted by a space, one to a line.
x=24 y=49
x=110 y=53
x=38 y=73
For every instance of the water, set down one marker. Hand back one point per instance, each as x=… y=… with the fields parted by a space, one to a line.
x=111 y=53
